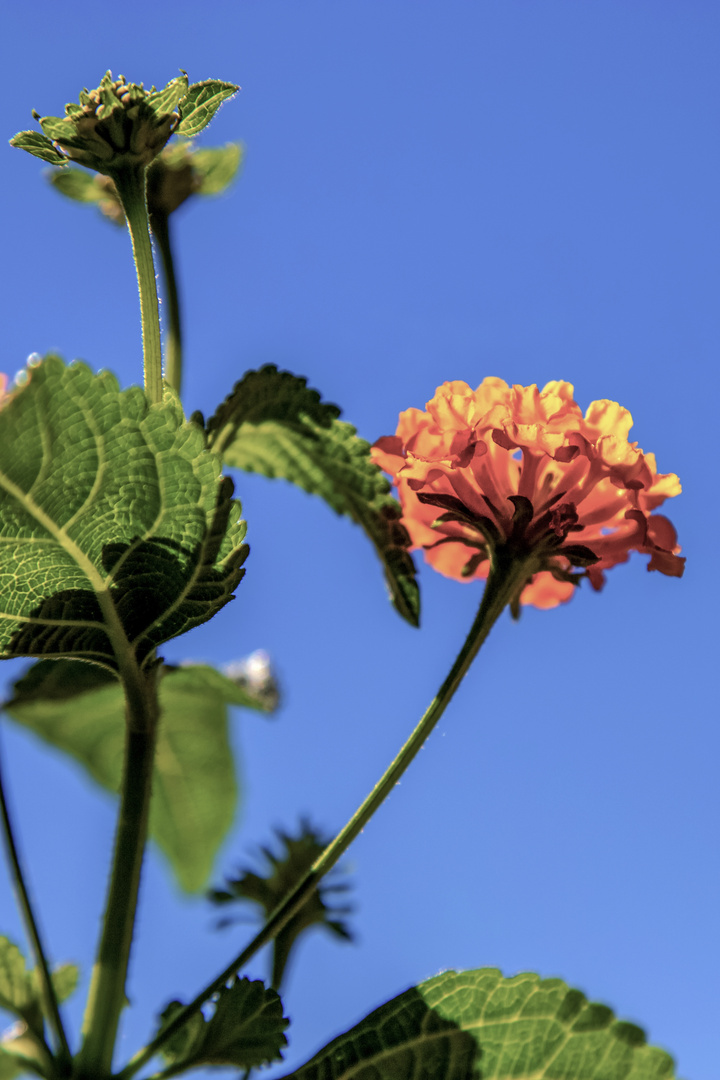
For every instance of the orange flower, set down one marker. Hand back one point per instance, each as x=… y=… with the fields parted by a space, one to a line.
x=522 y=468
x=3 y=384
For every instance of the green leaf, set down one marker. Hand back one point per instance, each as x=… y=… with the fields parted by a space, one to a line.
x=118 y=530
x=167 y=100
x=59 y=127
x=468 y=1024
x=65 y=980
x=274 y=425
x=17 y=990
x=79 y=709
x=246 y=1030
x=215 y=167
x=77 y=184
x=20 y=991
x=39 y=146
x=202 y=101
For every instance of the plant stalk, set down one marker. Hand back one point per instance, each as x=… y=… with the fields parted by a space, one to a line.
x=504 y=581
x=130 y=185
x=49 y=998
x=106 y=998
x=160 y=225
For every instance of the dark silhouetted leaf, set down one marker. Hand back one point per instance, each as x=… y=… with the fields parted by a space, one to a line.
x=281 y=873
x=246 y=1030
x=274 y=425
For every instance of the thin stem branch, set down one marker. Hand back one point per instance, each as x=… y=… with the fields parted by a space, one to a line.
x=505 y=579
x=130 y=185
x=106 y=998
x=160 y=224
x=49 y=998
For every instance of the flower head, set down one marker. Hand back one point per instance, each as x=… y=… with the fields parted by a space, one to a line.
x=522 y=469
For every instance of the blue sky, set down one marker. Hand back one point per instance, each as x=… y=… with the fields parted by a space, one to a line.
x=432 y=190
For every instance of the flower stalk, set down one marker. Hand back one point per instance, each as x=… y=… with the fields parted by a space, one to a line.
x=130 y=185
x=507 y=577
x=160 y=224
x=107 y=997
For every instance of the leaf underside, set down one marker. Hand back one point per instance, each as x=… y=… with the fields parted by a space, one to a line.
x=118 y=531
x=476 y=1024
x=79 y=709
x=274 y=425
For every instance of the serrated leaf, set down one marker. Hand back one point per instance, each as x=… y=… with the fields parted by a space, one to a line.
x=166 y=100
x=118 y=531
x=77 y=184
x=274 y=425
x=246 y=1030
x=472 y=1024
x=202 y=101
x=79 y=709
x=39 y=146
x=216 y=167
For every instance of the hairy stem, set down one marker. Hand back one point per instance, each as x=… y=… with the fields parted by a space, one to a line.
x=49 y=998
x=130 y=184
x=106 y=998
x=506 y=578
x=160 y=224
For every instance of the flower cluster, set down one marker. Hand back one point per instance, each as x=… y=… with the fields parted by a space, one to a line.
x=522 y=468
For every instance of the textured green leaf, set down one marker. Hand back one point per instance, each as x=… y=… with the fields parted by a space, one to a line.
x=473 y=1024
x=167 y=100
x=202 y=101
x=215 y=167
x=58 y=127
x=77 y=184
x=39 y=146
x=79 y=708
x=246 y=1029
x=118 y=531
x=274 y=425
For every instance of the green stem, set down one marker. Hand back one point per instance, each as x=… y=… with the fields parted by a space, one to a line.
x=106 y=998
x=504 y=581
x=160 y=224
x=49 y=998
x=130 y=184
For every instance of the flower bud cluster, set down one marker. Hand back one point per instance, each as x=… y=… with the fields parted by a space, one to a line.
x=119 y=124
